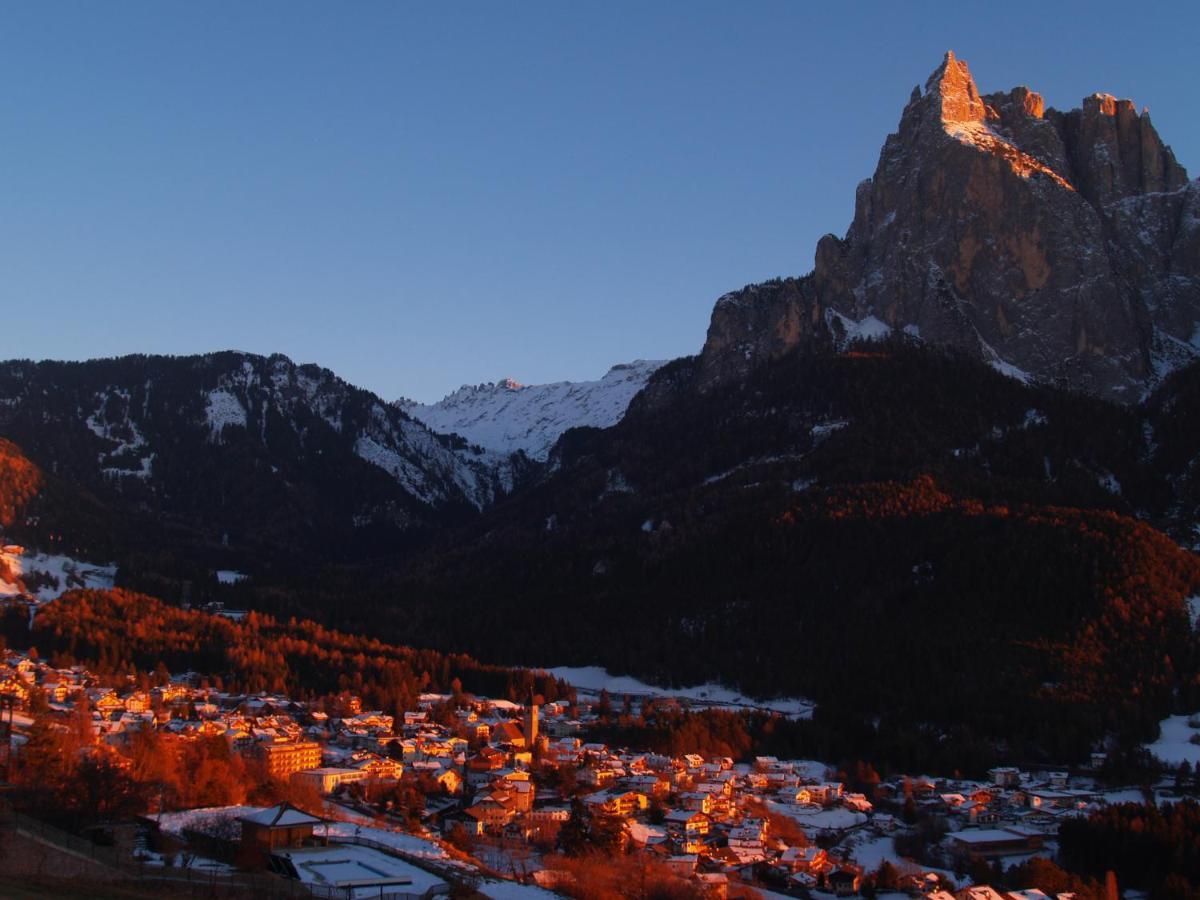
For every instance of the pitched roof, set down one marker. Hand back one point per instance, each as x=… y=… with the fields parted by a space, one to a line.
x=283 y=815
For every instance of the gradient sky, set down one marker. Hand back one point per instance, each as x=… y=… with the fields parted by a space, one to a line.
x=421 y=196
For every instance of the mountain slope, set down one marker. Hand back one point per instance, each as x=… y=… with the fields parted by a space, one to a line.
x=890 y=529
x=506 y=416
x=242 y=453
x=1062 y=246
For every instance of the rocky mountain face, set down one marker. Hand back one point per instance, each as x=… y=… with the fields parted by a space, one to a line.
x=507 y=417
x=243 y=450
x=1058 y=246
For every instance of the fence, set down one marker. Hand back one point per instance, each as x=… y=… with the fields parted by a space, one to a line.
x=180 y=880
x=437 y=867
x=330 y=892
x=211 y=883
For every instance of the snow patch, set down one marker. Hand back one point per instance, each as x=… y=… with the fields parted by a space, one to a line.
x=1174 y=744
x=1008 y=370
x=397 y=840
x=869 y=328
x=46 y=577
x=593 y=679
x=222 y=408
x=815 y=819
x=822 y=430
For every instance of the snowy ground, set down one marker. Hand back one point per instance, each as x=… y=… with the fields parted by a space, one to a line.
x=205 y=820
x=64 y=574
x=593 y=679
x=510 y=890
x=1174 y=741
x=1125 y=795
x=811 y=770
x=407 y=843
x=183 y=861
x=815 y=819
x=327 y=866
x=869 y=850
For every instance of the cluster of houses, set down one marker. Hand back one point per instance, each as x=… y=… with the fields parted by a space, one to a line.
x=509 y=774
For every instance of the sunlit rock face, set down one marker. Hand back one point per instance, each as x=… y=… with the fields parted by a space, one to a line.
x=1060 y=246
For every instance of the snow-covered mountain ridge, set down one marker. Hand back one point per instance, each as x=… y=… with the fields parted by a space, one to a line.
x=506 y=416
x=253 y=456
x=138 y=406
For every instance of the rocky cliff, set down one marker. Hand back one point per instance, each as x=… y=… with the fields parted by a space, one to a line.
x=1059 y=246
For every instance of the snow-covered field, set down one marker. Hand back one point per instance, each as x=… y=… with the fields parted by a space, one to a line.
x=815 y=819
x=1174 y=741
x=1125 y=795
x=593 y=679
x=53 y=575
x=406 y=843
x=510 y=890
x=329 y=866
x=871 y=850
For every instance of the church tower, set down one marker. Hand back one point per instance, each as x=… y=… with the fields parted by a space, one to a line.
x=531 y=722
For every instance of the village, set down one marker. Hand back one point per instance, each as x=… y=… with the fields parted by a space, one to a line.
x=495 y=792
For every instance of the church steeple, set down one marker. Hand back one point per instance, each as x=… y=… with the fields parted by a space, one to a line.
x=531 y=721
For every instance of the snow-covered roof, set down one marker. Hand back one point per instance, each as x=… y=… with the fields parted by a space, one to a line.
x=282 y=816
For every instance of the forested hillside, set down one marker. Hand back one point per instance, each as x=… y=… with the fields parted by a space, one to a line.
x=891 y=531
x=119 y=633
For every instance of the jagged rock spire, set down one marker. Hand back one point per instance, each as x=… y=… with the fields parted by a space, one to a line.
x=1061 y=245
x=953 y=88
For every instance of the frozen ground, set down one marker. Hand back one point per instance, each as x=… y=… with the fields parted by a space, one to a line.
x=408 y=843
x=1174 y=741
x=328 y=866
x=593 y=679
x=47 y=576
x=869 y=850
x=510 y=890
x=815 y=819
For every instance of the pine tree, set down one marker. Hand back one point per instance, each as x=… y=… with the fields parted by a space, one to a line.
x=574 y=837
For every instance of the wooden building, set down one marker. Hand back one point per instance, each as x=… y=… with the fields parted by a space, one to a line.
x=277 y=826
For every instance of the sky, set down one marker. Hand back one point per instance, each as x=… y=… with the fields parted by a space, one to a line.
x=420 y=196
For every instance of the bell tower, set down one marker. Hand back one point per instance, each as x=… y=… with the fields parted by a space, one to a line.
x=531 y=722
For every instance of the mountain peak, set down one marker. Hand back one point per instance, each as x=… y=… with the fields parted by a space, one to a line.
x=509 y=416
x=954 y=89
x=1064 y=246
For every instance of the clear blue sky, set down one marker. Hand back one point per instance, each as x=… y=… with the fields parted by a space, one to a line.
x=424 y=195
